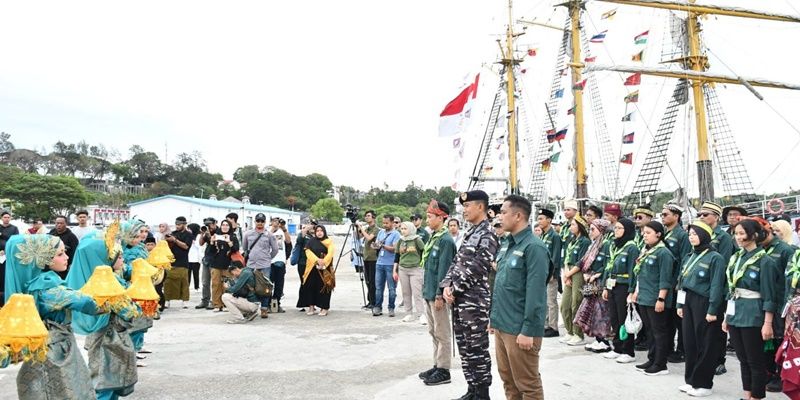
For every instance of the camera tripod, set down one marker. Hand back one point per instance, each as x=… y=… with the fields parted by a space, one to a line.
x=357 y=250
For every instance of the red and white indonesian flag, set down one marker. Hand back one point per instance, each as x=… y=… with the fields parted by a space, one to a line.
x=455 y=117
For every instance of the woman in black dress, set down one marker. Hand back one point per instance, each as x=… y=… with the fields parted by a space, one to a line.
x=318 y=278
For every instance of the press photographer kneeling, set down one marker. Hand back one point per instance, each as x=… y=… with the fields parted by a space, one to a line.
x=240 y=296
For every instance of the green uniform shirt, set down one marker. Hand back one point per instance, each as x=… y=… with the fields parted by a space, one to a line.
x=371 y=254
x=722 y=243
x=620 y=263
x=655 y=274
x=413 y=255
x=440 y=256
x=575 y=251
x=704 y=274
x=677 y=241
x=553 y=243
x=599 y=263
x=760 y=276
x=781 y=253
x=519 y=300
x=639 y=240
x=566 y=238
x=423 y=234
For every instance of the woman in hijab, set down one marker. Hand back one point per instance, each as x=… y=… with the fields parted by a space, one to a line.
x=318 y=278
x=617 y=278
x=592 y=316
x=31 y=266
x=573 y=280
x=701 y=293
x=408 y=271
x=653 y=293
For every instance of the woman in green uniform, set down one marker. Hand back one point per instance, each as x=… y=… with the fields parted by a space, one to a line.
x=653 y=292
x=592 y=316
x=752 y=302
x=617 y=280
x=573 y=280
x=701 y=294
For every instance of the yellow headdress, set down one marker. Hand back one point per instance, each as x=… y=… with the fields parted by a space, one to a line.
x=106 y=291
x=111 y=237
x=23 y=336
x=142 y=290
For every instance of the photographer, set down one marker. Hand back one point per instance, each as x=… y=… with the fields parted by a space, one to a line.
x=277 y=272
x=240 y=297
x=209 y=228
x=369 y=233
x=223 y=243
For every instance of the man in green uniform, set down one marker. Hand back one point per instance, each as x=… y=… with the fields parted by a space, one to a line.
x=519 y=302
x=641 y=217
x=553 y=242
x=677 y=241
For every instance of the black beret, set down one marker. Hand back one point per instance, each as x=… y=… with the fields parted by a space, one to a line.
x=547 y=213
x=474 y=195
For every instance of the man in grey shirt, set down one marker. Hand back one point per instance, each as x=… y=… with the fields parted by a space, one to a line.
x=260 y=246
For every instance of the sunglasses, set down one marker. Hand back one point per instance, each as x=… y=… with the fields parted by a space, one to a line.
x=703 y=214
x=638 y=217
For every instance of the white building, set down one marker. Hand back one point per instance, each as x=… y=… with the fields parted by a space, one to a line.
x=166 y=208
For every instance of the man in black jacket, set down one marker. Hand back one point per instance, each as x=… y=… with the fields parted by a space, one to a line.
x=69 y=239
x=6 y=231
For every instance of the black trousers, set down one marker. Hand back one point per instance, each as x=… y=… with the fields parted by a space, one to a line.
x=750 y=351
x=657 y=324
x=194 y=271
x=643 y=337
x=675 y=325
x=277 y=274
x=701 y=341
x=369 y=277
x=617 y=312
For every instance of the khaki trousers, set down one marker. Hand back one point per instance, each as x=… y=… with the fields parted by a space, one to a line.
x=237 y=306
x=439 y=329
x=216 y=286
x=519 y=369
x=570 y=301
x=552 y=303
x=411 y=282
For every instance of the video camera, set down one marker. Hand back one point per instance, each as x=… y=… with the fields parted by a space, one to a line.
x=351 y=212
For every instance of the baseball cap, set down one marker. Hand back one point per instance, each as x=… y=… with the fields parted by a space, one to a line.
x=261 y=217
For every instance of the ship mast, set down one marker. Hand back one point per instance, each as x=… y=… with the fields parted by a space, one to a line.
x=698 y=62
x=509 y=62
x=581 y=191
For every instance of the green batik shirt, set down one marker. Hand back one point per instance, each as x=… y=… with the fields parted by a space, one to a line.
x=704 y=274
x=781 y=253
x=654 y=274
x=722 y=242
x=677 y=241
x=752 y=270
x=620 y=263
x=519 y=300
x=553 y=243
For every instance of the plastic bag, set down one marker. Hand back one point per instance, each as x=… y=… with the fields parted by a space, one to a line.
x=633 y=322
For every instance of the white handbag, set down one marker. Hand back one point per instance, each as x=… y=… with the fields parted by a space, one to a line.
x=633 y=322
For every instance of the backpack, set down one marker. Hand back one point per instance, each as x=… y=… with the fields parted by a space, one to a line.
x=263 y=285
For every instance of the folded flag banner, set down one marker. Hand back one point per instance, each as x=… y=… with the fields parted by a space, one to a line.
x=546 y=165
x=627 y=159
x=628 y=117
x=554 y=158
x=632 y=97
x=455 y=117
x=559 y=93
x=599 y=38
x=551 y=135
x=532 y=52
x=642 y=37
x=609 y=14
x=561 y=135
x=590 y=59
x=627 y=139
x=634 y=80
x=638 y=56
x=571 y=111
x=579 y=85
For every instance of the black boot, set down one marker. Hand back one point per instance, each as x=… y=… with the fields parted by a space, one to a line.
x=481 y=392
x=470 y=395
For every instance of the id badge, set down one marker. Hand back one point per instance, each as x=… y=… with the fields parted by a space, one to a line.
x=731 y=308
x=610 y=283
x=681 y=297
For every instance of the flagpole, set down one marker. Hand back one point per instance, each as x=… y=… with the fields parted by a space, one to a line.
x=581 y=191
x=509 y=63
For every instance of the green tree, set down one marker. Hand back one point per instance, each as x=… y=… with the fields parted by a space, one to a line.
x=44 y=196
x=327 y=209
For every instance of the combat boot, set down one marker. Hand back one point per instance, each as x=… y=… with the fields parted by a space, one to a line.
x=470 y=395
x=481 y=392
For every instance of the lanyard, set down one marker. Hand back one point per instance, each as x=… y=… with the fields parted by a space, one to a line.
x=643 y=257
x=737 y=271
x=614 y=254
x=572 y=246
x=794 y=271
x=692 y=262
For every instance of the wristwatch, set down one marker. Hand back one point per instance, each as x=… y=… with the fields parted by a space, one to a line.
x=661 y=299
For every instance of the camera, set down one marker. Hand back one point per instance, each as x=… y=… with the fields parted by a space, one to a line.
x=351 y=212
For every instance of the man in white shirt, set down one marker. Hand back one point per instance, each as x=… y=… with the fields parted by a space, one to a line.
x=83 y=229
x=278 y=270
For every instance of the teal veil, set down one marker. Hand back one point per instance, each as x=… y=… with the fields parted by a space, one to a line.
x=26 y=257
x=91 y=253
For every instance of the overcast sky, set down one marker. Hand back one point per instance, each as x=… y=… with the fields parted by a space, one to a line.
x=351 y=89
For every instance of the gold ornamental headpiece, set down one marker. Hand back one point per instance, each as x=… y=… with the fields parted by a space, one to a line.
x=111 y=238
x=38 y=250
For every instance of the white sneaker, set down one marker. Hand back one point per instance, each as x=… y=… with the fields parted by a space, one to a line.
x=601 y=347
x=685 y=388
x=576 y=341
x=591 y=346
x=611 y=355
x=423 y=320
x=408 y=318
x=625 y=359
x=566 y=338
x=700 y=392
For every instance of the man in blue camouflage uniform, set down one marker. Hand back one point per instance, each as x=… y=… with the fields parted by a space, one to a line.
x=466 y=287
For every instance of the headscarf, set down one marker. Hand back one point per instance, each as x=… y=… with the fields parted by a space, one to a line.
x=27 y=256
x=703 y=232
x=315 y=244
x=588 y=258
x=90 y=254
x=129 y=231
x=784 y=228
x=411 y=229
x=656 y=226
x=630 y=233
